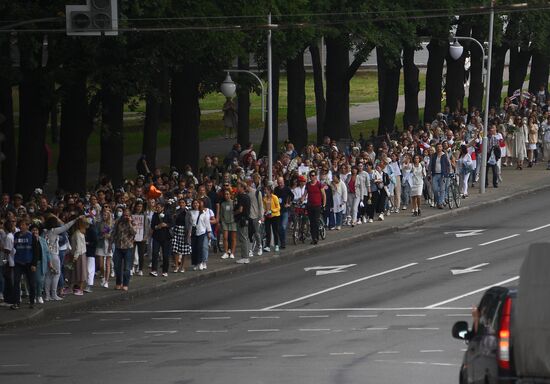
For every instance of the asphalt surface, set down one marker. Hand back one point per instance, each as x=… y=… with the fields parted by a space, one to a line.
x=385 y=318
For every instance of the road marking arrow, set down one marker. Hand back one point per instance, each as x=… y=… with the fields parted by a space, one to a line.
x=326 y=270
x=475 y=268
x=466 y=233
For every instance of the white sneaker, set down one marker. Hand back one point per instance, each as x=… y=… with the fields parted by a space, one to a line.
x=338 y=228
x=232 y=256
x=260 y=252
x=371 y=221
x=243 y=260
x=201 y=267
x=276 y=248
x=225 y=256
x=57 y=298
x=404 y=208
x=250 y=253
x=364 y=219
x=358 y=222
x=40 y=300
x=152 y=273
x=204 y=266
x=266 y=249
x=164 y=274
x=381 y=217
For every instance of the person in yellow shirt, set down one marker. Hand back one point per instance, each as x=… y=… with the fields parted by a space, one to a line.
x=272 y=215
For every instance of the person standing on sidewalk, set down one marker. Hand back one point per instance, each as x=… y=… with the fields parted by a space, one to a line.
x=228 y=225
x=43 y=265
x=316 y=201
x=546 y=141
x=198 y=232
x=91 y=246
x=27 y=252
x=80 y=261
x=256 y=212
x=242 y=217
x=440 y=168
x=161 y=224
x=272 y=215
x=340 y=197
x=286 y=197
x=123 y=238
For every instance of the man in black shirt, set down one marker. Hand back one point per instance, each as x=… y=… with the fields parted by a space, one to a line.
x=286 y=197
x=242 y=217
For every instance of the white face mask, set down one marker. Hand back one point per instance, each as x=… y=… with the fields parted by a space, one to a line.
x=161 y=215
x=119 y=214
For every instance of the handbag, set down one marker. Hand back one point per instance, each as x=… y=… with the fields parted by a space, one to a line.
x=194 y=228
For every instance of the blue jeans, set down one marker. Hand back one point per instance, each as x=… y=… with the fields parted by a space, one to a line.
x=338 y=218
x=123 y=259
x=283 y=225
x=438 y=182
x=39 y=279
x=197 y=249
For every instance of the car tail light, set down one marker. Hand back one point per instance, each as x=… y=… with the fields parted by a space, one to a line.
x=504 y=336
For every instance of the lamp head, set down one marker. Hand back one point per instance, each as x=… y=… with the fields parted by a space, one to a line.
x=455 y=50
x=228 y=87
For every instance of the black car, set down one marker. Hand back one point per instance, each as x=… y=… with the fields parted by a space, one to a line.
x=488 y=357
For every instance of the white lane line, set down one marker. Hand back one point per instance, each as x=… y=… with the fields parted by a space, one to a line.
x=501 y=239
x=13 y=365
x=107 y=333
x=361 y=316
x=341 y=353
x=415 y=362
x=432 y=351
x=264 y=317
x=459 y=315
x=433 y=306
x=314 y=329
x=423 y=329
x=341 y=286
x=216 y=318
x=312 y=316
x=161 y=332
x=283 y=310
x=244 y=357
x=287 y=356
x=132 y=362
x=448 y=254
x=445 y=364
x=388 y=352
x=411 y=315
x=538 y=228
x=263 y=330
x=165 y=318
x=114 y=319
x=211 y=331
x=377 y=329
x=56 y=334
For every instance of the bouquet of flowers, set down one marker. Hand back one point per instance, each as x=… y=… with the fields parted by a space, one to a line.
x=511 y=129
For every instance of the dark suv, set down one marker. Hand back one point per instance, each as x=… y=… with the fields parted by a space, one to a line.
x=488 y=357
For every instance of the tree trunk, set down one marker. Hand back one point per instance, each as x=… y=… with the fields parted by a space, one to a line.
x=389 y=72
x=7 y=146
x=54 y=126
x=454 y=84
x=184 y=140
x=151 y=126
x=320 y=102
x=337 y=124
x=519 y=63
x=34 y=109
x=475 y=96
x=412 y=87
x=76 y=127
x=497 y=74
x=296 y=112
x=165 y=102
x=434 y=74
x=243 y=104
x=275 y=79
x=112 y=141
x=539 y=72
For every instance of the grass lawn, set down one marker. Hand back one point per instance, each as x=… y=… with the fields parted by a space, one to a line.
x=363 y=89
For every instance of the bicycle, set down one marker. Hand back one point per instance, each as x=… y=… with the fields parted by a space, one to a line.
x=299 y=224
x=452 y=191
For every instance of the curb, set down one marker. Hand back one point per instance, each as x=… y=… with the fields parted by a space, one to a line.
x=105 y=302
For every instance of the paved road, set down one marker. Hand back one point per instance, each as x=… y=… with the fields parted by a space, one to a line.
x=385 y=319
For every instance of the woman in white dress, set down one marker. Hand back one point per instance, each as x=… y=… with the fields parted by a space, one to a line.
x=520 y=141
x=465 y=167
x=417 y=175
x=532 y=139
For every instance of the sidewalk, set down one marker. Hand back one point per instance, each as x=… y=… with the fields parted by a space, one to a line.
x=516 y=183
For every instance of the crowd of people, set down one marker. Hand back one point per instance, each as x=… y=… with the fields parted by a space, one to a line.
x=169 y=222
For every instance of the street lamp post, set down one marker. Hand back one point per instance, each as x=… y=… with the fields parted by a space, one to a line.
x=455 y=51
x=228 y=89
